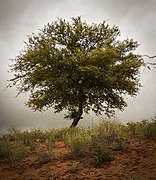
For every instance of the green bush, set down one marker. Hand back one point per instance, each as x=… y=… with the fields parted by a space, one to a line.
x=100 y=143
x=145 y=129
x=150 y=129
x=106 y=138
x=76 y=139
x=101 y=152
x=135 y=129
x=26 y=137
x=60 y=133
x=111 y=132
x=17 y=144
x=13 y=152
x=44 y=156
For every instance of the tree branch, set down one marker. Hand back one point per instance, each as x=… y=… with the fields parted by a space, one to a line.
x=150 y=57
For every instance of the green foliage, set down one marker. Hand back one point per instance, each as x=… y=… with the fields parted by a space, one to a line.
x=60 y=133
x=107 y=137
x=111 y=132
x=17 y=144
x=100 y=143
x=101 y=152
x=145 y=129
x=150 y=129
x=74 y=65
x=44 y=156
x=13 y=152
x=31 y=138
x=76 y=140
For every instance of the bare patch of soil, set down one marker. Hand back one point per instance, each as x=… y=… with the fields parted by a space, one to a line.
x=138 y=162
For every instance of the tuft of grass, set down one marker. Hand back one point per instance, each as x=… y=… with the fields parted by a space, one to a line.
x=101 y=152
x=44 y=156
x=17 y=144
x=74 y=167
x=106 y=138
x=13 y=152
x=76 y=139
x=146 y=129
x=112 y=133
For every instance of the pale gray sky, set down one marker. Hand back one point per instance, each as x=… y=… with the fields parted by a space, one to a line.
x=18 y=18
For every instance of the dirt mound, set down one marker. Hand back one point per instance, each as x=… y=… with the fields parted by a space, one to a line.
x=137 y=162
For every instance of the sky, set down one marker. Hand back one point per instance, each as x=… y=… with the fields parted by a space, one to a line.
x=19 y=18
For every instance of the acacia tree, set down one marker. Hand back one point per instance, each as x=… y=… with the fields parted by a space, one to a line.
x=78 y=67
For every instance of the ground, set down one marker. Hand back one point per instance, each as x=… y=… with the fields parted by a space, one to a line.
x=138 y=162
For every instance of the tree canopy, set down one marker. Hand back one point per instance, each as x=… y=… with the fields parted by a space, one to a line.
x=78 y=67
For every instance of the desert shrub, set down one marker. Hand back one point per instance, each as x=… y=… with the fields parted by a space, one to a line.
x=49 y=143
x=101 y=152
x=44 y=141
x=60 y=133
x=13 y=134
x=100 y=143
x=145 y=129
x=11 y=151
x=107 y=137
x=150 y=129
x=37 y=135
x=76 y=139
x=111 y=132
x=44 y=156
x=16 y=143
x=27 y=137
x=135 y=129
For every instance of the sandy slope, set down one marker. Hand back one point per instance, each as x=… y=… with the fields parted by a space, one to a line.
x=137 y=163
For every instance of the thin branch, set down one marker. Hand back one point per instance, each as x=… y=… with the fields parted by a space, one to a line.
x=149 y=64
x=150 y=57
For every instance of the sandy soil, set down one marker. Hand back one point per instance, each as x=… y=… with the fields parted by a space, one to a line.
x=138 y=162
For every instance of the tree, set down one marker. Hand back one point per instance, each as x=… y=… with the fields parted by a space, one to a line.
x=77 y=67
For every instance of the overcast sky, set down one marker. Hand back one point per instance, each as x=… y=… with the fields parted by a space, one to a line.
x=18 y=18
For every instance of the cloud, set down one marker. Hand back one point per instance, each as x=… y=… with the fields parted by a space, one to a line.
x=10 y=12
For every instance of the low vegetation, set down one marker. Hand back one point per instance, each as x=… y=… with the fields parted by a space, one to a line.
x=99 y=144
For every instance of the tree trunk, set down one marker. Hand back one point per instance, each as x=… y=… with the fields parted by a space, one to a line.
x=77 y=118
x=80 y=110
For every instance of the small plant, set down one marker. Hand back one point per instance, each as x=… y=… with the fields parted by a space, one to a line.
x=119 y=144
x=112 y=133
x=74 y=167
x=44 y=156
x=43 y=151
x=145 y=129
x=106 y=138
x=135 y=129
x=60 y=133
x=76 y=140
x=150 y=129
x=101 y=152
x=14 y=152
x=49 y=143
